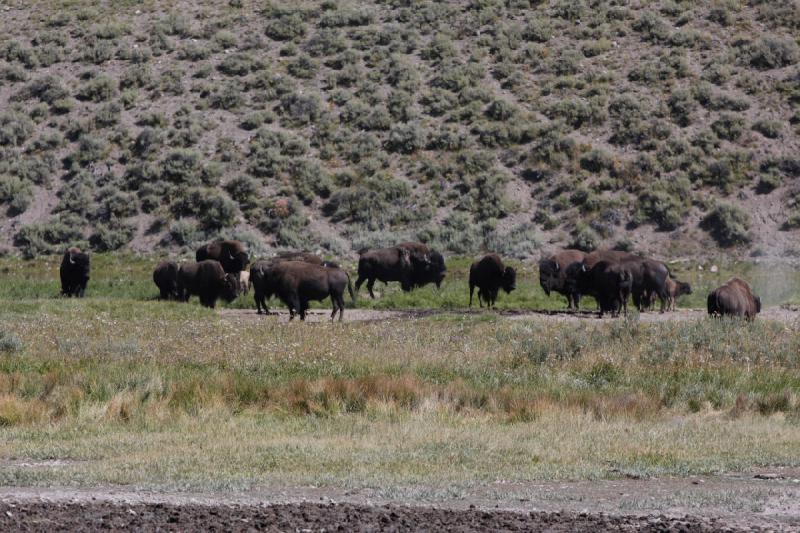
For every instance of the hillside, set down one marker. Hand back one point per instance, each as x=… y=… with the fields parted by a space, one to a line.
x=667 y=127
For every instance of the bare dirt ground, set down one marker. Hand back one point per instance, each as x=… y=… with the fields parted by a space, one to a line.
x=761 y=501
x=784 y=314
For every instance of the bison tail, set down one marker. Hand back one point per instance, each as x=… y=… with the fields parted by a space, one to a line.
x=350 y=289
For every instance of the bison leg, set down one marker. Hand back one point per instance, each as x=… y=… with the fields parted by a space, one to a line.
x=303 y=308
x=471 y=290
x=370 y=284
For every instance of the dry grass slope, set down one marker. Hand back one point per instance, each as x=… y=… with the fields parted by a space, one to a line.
x=664 y=125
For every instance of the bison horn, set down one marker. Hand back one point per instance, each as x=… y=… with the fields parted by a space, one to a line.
x=71 y=260
x=558 y=267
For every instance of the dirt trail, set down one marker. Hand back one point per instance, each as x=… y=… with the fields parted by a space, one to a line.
x=783 y=314
x=754 y=501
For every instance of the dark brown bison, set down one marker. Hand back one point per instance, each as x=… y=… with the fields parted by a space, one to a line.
x=208 y=280
x=165 y=276
x=232 y=255
x=428 y=264
x=490 y=275
x=609 y=282
x=385 y=264
x=297 y=283
x=74 y=272
x=735 y=298
x=553 y=275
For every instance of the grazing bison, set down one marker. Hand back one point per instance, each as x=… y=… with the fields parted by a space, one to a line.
x=676 y=289
x=735 y=298
x=232 y=255
x=489 y=275
x=296 y=283
x=244 y=282
x=385 y=264
x=74 y=272
x=208 y=280
x=553 y=275
x=649 y=276
x=165 y=276
x=609 y=282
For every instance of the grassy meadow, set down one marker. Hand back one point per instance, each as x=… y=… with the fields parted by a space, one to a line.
x=121 y=389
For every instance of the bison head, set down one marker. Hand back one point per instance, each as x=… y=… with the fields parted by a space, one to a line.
x=238 y=261
x=683 y=288
x=509 y=279
x=230 y=287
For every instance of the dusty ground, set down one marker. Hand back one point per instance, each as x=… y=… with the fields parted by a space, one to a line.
x=785 y=314
x=765 y=500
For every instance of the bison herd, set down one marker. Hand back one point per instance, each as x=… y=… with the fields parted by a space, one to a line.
x=297 y=278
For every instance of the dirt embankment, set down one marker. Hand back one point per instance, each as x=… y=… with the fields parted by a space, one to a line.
x=93 y=516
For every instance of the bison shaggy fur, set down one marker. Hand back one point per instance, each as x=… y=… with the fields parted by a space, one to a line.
x=74 y=272
x=489 y=274
x=208 y=280
x=734 y=298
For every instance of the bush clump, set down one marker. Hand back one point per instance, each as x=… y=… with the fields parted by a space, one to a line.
x=728 y=224
x=772 y=52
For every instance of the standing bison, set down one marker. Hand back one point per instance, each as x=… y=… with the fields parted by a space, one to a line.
x=609 y=282
x=208 y=280
x=490 y=275
x=676 y=289
x=232 y=255
x=735 y=298
x=553 y=275
x=297 y=283
x=385 y=264
x=74 y=272
x=165 y=276
x=428 y=264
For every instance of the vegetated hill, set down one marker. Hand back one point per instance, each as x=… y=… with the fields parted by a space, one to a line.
x=669 y=127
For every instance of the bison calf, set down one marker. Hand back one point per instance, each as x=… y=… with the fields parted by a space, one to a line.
x=165 y=276
x=734 y=298
x=676 y=289
x=208 y=280
x=490 y=275
x=74 y=272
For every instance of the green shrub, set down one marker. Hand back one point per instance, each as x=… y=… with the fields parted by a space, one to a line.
x=770 y=129
x=728 y=224
x=596 y=160
x=303 y=67
x=49 y=237
x=15 y=128
x=183 y=233
x=405 y=138
x=10 y=343
x=194 y=51
x=309 y=179
x=300 y=109
x=16 y=194
x=537 y=29
x=112 y=236
x=772 y=52
x=728 y=127
x=681 y=105
x=284 y=24
x=651 y=26
x=115 y=204
x=99 y=89
x=595 y=48
x=584 y=238
x=213 y=209
x=48 y=89
x=90 y=150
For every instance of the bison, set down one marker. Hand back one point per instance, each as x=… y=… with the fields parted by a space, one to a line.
x=296 y=283
x=552 y=275
x=610 y=282
x=676 y=289
x=734 y=298
x=165 y=276
x=489 y=275
x=428 y=264
x=74 y=272
x=385 y=264
x=208 y=280
x=232 y=255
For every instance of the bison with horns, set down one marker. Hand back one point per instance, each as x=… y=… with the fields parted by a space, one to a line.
x=735 y=298
x=232 y=255
x=74 y=272
x=490 y=275
x=296 y=283
x=165 y=276
x=208 y=280
x=412 y=264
